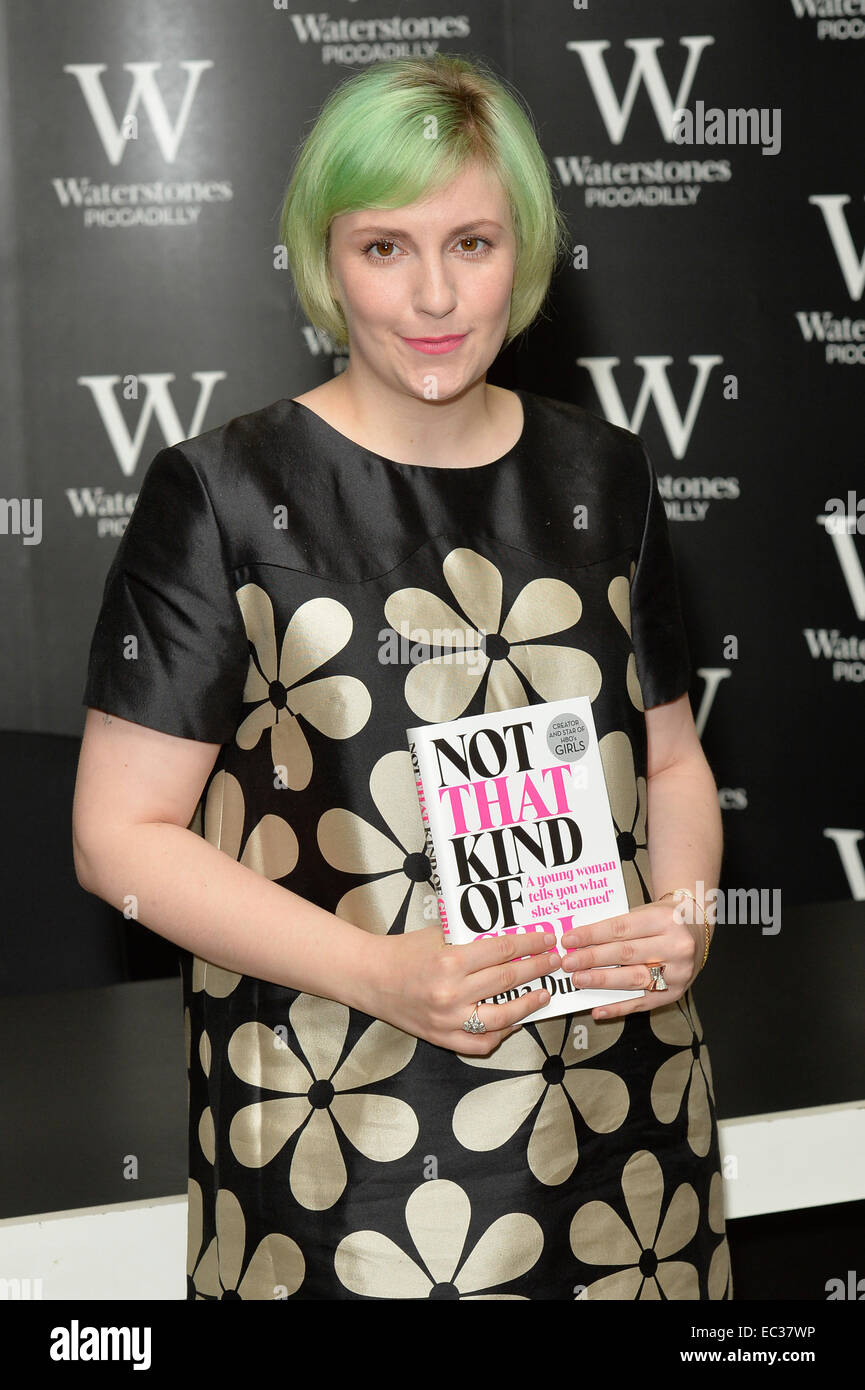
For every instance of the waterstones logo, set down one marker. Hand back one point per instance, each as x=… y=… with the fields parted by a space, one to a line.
x=842 y=336
x=847 y=842
x=353 y=42
x=713 y=676
x=687 y=499
x=842 y=527
x=843 y=520
x=836 y=19
x=659 y=182
x=656 y=183
x=843 y=339
x=156 y=202
x=851 y=264
x=109 y=509
x=847 y=654
x=678 y=426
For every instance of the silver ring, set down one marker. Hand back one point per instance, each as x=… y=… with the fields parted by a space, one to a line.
x=477 y=1025
x=657 y=982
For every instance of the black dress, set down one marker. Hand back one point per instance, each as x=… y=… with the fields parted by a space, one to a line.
x=300 y=600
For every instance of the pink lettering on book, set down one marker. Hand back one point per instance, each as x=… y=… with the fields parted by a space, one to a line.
x=477 y=797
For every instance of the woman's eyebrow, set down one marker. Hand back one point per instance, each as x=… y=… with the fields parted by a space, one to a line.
x=380 y=227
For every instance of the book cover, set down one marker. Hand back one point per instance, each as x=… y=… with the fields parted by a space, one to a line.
x=519 y=833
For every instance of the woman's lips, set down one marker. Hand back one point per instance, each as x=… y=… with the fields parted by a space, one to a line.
x=436 y=345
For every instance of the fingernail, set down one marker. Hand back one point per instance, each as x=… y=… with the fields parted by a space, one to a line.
x=549 y=939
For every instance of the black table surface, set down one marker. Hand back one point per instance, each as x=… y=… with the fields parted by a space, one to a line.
x=94 y=1080
x=94 y=1084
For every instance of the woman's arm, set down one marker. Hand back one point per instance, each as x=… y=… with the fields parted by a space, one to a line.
x=136 y=791
x=685 y=834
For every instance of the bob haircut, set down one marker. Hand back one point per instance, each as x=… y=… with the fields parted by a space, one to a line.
x=397 y=132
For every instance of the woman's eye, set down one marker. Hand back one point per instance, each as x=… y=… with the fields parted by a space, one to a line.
x=374 y=246
x=377 y=244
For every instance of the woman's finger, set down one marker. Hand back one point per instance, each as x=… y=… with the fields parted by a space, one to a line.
x=637 y=1006
x=496 y=949
x=659 y=938
x=625 y=977
x=647 y=920
x=500 y=1020
x=511 y=975
x=678 y=949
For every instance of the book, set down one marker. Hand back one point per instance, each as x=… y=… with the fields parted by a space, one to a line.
x=519 y=832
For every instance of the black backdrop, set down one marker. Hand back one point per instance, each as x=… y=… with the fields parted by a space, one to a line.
x=130 y=324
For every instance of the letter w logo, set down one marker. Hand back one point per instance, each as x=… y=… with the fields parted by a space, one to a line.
x=842 y=531
x=645 y=68
x=846 y=842
x=114 y=137
x=655 y=387
x=852 y=265
x=157 y=402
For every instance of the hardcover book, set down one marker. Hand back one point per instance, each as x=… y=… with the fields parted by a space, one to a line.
x=519 y=832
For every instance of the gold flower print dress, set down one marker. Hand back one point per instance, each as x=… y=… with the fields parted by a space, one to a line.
x=302 y=602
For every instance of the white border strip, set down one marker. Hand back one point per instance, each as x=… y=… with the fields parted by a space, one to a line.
x=793 y=1159
x=133 y=1250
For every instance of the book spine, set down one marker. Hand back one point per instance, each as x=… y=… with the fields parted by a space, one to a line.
x=429 y=843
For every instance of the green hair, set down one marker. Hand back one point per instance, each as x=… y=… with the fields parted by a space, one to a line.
x=370 y=147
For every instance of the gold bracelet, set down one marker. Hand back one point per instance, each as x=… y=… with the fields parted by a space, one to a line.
x=672 y=894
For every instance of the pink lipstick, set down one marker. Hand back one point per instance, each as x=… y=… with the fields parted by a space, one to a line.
x=436 y=345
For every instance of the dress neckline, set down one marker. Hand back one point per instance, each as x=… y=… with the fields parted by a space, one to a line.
x=425 y=467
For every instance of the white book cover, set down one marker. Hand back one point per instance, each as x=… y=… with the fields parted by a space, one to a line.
x=519 y=832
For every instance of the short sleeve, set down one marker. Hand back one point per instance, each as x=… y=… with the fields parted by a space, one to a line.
x=169 y=588
x=657 y=627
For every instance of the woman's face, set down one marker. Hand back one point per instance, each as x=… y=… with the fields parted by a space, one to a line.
x=440 y=266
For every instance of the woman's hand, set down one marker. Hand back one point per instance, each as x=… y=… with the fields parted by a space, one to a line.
x=652 y=933
x=429 y=989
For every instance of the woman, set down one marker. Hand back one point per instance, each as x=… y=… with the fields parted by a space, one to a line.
x=349 y=1136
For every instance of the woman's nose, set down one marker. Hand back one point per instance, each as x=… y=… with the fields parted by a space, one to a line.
x=434 y=289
